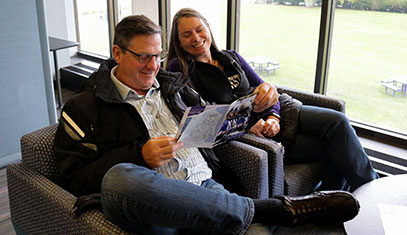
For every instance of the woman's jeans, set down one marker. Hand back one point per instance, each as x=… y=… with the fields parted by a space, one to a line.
x=325 y=135
x=141 y=200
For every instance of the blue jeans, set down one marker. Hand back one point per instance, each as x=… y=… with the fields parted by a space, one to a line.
x=325 y=135
x=143 y=201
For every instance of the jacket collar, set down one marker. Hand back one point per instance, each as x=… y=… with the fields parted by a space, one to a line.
x=171 y=82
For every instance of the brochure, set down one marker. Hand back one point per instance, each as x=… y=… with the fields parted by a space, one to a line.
x=208 y=126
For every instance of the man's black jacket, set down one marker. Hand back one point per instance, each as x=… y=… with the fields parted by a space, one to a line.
x=99 y=130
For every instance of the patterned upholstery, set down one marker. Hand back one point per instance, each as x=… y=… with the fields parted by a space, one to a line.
x=37 y=152
x=275 y=161
x=249 y=164
x=39 y=206
x=301 y=179
x=314 y=99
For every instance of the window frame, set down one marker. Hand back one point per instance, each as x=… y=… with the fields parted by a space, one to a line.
x=233 y=22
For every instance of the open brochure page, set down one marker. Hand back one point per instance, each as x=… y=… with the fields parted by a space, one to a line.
x=201 y=125
x=207 y=126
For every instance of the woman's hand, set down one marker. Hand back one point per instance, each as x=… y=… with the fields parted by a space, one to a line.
x=158 y=151
x=268 y=128
x=267 y=96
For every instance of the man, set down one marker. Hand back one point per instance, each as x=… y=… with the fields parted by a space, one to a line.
x=117 y=138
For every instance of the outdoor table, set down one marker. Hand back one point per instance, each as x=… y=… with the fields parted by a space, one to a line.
x=403 y=80
x=263 y=60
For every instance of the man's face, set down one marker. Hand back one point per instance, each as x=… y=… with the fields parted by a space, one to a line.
x=135 y=74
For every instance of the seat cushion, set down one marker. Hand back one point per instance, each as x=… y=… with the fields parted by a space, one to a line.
x=301 y=179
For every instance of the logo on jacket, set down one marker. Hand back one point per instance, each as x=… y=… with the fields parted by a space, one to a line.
x=234 y=81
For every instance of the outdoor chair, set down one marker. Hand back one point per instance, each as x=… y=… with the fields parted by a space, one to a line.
x=38 y=205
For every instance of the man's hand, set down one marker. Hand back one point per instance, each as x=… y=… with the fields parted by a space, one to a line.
x=268 y=128
x=267 y=96
x=158 y=151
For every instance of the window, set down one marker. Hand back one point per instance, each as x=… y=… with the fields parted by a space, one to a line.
x=284 y=34
x=96 y=20
x=213 y=10
x=92 y=26
x=369 y=47
x=124 y=8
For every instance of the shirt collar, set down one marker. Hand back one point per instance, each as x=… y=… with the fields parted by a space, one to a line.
x=124 y=90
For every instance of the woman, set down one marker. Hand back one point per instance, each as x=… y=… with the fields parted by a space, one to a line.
x=321 y=135
x=205 y=80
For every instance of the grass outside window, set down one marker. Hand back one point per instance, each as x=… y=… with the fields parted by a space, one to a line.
x=367 y=47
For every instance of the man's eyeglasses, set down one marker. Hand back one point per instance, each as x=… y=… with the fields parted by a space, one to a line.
x=146 y=58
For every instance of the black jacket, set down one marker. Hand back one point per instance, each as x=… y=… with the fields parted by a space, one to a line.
x=213 y=84
x=99 y=130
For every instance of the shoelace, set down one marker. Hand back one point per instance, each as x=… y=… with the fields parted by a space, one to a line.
x=305 y=212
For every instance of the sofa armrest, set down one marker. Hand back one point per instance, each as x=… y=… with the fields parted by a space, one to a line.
x=39 y=206
x=37 y=152
x=275 y=155
x=249 y=164
x=309 y=98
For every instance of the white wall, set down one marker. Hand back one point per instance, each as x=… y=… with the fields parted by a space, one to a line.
x=60 y=20
x=25 y=90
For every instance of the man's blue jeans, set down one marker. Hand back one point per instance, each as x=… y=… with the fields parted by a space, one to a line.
x=136 y=198
x=325 y=135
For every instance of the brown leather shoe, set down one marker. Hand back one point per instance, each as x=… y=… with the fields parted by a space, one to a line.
x=325 y=207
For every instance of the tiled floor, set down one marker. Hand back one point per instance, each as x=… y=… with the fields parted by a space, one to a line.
x=6 y=227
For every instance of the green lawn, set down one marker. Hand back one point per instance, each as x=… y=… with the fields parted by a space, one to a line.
x=367 y=47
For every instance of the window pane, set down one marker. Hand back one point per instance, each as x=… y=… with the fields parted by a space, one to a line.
x=124 y=8
x=93 y=26
x=369 y=47
x=214 y=11
x=286 y=35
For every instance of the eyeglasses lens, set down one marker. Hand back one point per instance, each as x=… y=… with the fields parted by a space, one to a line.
x=158 y=58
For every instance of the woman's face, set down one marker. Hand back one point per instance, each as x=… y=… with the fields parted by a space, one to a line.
x=195 y=37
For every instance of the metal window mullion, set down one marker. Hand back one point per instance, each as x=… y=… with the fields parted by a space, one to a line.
x=324 y=46
x=233 y=25
x=112 y=19
x=164 y=20
x=76 y=15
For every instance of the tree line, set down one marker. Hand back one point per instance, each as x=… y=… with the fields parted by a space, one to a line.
x=372 y=5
